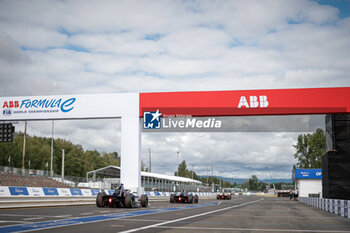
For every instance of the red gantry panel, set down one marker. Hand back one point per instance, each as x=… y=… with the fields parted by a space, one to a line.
x=249 y=102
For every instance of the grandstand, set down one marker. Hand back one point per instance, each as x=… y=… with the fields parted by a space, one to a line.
x=103 y=178
x=150 y=181
x=8 y=179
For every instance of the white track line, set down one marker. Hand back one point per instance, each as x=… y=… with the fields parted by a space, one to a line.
x=89 y=213
x=138 y=220
x=189 y=217
x=62 y=216
x=34 y=218
x=9 y=221
x=247 y=229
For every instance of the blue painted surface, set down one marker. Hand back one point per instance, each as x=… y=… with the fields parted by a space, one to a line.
x=74 y=221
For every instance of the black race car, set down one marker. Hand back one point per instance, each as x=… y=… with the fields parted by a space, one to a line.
x=225 y=196
x=183 y=197
x=121 y=199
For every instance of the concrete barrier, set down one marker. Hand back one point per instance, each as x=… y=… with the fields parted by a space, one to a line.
x=335 y=206
x=10 y=191
x=19 y=197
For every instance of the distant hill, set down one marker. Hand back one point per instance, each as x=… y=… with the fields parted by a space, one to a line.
x=242 y=180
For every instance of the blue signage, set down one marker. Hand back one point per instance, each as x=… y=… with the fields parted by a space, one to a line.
x=95 y=192
x=76 y=192
x=308 y=174
x=50 y=191
x=18 y=191
x=110 y=192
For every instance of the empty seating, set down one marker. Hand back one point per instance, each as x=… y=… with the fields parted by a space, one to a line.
x=30 y=181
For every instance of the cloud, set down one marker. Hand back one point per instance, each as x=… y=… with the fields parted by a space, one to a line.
x=10 y=51
x=227 y=152
x=79 y=47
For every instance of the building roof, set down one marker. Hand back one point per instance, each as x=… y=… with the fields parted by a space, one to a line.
x=114 y=171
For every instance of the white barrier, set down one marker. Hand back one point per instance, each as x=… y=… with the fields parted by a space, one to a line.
x=67 y=192
x=335 y=206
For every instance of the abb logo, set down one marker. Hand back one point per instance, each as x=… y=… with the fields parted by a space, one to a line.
x=11 y=104
x=253 y=102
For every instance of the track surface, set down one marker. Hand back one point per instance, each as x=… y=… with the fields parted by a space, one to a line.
x=241 y=214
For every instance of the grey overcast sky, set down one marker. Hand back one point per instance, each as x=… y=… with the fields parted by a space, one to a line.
x=81 y=47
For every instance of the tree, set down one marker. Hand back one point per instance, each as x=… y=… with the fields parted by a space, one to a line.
x=182 y=169
x=227 y=184
x=112 y=158
x=143 y=168
x=253 y=184
x=38 y=150
x=309 y=149
x=184 y=172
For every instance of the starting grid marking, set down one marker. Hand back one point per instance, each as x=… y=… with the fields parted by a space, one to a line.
x=98 y=218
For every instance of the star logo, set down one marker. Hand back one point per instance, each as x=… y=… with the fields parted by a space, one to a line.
x=151 y=120
x=156 y=115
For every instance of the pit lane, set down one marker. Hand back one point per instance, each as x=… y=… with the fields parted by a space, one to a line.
x=241 y=214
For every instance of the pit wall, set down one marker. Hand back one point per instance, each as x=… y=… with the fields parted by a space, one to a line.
x=64 y=192
x=335 y=206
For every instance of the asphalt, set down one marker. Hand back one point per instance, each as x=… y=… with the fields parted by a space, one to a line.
x=241 y=214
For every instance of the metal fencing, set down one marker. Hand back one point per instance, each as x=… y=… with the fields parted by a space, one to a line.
x=104 y=183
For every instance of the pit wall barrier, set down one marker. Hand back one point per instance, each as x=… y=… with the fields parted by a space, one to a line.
x=335 y=206
x=68 y=192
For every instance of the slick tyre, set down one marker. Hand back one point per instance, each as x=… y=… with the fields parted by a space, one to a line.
x=195 y=199
x=172 y=198
x=190 y=198
x=129 y=200
x=144 y=200
x=99 y=200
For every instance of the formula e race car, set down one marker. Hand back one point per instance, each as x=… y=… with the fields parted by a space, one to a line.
x=225 y=196
x=121 y=199
x=183 y=197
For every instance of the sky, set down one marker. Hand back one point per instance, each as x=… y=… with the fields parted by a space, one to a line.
x=90 y=47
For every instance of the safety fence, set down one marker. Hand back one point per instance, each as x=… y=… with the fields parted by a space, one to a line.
x=66 y=192
x=335 y=206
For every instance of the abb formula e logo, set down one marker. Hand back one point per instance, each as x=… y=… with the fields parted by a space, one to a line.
x=253 y=102
x=44 y=105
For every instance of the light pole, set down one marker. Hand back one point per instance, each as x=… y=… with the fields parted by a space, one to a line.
x=24 y=146
x=271 y=178
x=47 y=168
x=51 y=163
x=150 y=160
x=192 y=172
x=62 y=174
x=177 y=163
